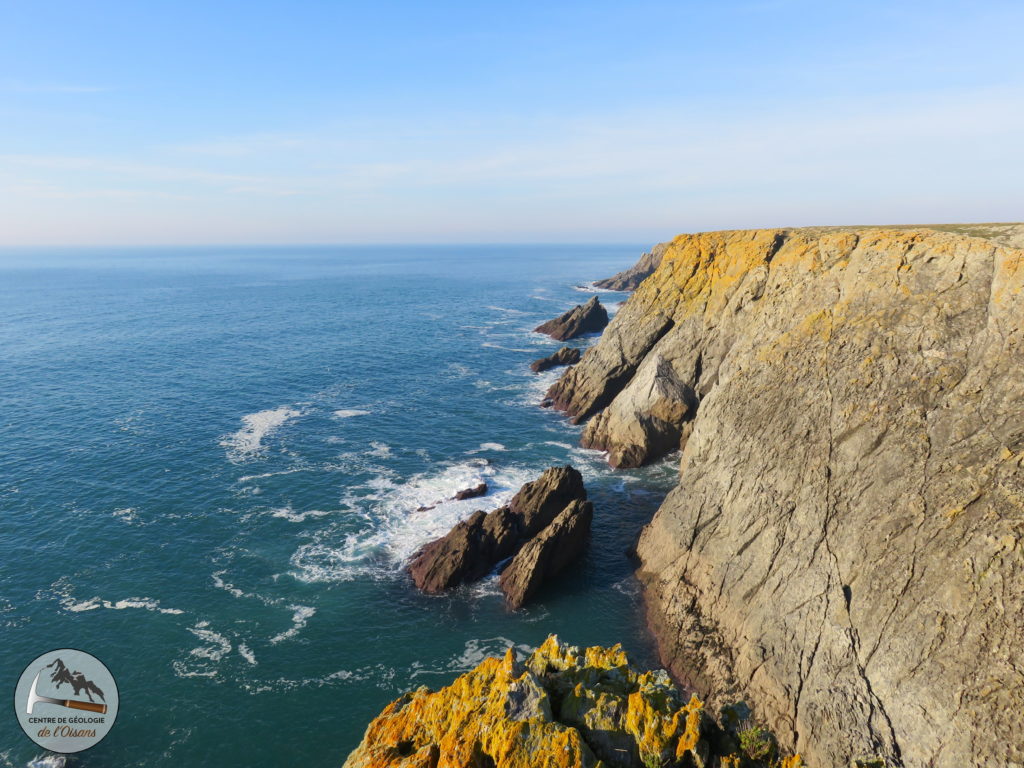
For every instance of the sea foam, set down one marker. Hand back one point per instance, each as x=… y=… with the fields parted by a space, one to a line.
x=247 y=443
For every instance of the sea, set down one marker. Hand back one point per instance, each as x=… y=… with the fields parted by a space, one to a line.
x=211 y=466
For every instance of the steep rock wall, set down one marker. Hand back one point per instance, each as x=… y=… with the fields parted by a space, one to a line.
x=846 y=543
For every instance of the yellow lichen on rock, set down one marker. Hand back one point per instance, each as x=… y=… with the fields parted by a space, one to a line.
x=562 y=707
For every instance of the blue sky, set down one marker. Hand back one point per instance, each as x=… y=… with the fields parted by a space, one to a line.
x=311 y=122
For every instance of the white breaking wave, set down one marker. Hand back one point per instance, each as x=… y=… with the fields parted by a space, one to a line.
x=247 y=443
x=77 y=606
x=300 y=616
x=591 y=288
x=289 y=514
x=247 y=653
x=349 y=413
x=215 y=647
x=474 y=652
x=498 y=447
x=202 y=660
x=401 y=518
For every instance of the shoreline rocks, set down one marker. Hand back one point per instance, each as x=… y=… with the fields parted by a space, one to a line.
x=844 y=545
x=630 y=279
x=561 y=707
x=583 y=318
x=543 y=556
x=475 y=546
x=564 y=356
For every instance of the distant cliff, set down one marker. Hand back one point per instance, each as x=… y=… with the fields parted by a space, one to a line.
x=845 y=547
x=629 y=279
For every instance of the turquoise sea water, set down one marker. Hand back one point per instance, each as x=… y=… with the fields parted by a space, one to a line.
x=210 y=466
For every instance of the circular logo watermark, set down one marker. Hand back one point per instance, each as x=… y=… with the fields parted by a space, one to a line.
x=66 y=700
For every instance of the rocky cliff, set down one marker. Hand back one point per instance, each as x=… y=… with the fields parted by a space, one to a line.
x=562 y=707
x=845 y=547
x=630 y=279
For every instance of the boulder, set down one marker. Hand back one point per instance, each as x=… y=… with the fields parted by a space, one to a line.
x=476 y=545
x=564 y=356
x=583 y=318
x=630 y=279
x=547 y=553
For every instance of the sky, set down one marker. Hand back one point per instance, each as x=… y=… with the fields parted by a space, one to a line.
x=180 y=122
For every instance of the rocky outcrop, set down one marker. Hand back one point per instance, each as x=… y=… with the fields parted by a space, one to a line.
x=547 y=553
x=846 y=544
x=471 y=493
x=564 y=356
x=583 y=318
x=630 y=279
x=476 y=545
x=562 y=707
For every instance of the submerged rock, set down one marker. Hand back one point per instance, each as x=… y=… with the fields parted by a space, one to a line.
x=583 y=318
x=564 y=356
x=476 y=545
x=845 y=543
x=562 y=707
x=547 y=553
x=630 y=279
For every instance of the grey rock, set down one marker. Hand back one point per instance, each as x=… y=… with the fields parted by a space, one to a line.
x=845 y=548
x=630 y=279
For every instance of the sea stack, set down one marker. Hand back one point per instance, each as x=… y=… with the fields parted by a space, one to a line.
x=476 y=545
x=583 y=318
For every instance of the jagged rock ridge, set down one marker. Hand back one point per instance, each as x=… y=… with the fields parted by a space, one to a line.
x=562 y=707
x=545 y=525
x=564 y=356
x=583 y=318
x=630 y=279
x=846 y=543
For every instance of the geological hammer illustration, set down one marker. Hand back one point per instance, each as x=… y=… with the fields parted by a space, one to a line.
x=34 y=698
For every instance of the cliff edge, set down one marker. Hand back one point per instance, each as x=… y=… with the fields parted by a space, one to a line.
x=846 y=543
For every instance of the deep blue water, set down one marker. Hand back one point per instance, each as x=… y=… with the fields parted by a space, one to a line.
x=210 y=465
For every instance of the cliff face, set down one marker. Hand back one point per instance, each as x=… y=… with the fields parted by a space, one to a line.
x=846 y=543
x=561 y=707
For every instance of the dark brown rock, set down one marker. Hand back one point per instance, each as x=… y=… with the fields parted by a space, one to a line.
x=547 y=553
x=630 y=279
x=473 y=547
x=459 y=556
x=471 y=493
x=583 y=318
x=564 y=356
x=539 y=502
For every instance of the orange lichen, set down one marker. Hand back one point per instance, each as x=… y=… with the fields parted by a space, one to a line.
x=503 y=714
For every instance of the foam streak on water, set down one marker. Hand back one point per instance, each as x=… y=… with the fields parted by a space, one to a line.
x=247 y=443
